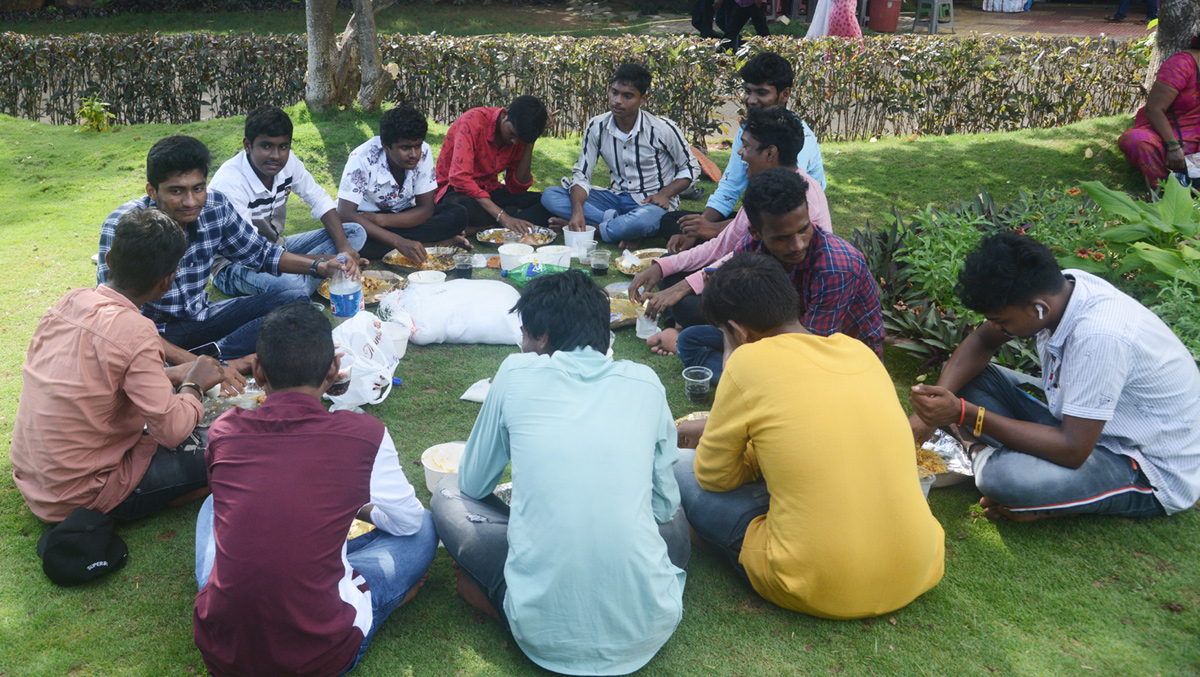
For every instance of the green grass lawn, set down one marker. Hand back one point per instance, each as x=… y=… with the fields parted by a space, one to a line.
x=1075 y=596
x=422 y=17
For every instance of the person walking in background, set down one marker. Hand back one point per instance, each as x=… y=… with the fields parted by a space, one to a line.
x=743 y=11
x=1123 y=9
x=703 y=14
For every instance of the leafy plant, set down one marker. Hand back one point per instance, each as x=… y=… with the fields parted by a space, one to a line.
x=1163 y=238
x=93 y=116
x=1178 y=303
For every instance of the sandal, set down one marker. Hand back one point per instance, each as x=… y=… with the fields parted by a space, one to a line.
x=1114 y=19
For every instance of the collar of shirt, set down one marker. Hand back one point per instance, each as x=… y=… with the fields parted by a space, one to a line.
x=616 y=131
x=116 y=296
x=252 y=179
x=493 y=114
x=815 y=245
x=1071 y=315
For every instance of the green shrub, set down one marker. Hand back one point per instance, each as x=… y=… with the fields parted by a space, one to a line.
x=891 y=85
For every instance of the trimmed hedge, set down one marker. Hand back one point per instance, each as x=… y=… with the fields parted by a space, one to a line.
x=892 y=85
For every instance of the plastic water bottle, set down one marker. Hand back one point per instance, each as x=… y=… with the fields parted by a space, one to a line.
x=345 y=295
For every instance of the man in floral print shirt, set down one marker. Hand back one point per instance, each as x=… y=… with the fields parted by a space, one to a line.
x=388 y=187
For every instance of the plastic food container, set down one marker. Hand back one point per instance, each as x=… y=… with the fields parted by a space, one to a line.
x=575 y=239
x=441 y=460
x=399 y=335
x=427 y=277
x=510 y=255
x=556 y=255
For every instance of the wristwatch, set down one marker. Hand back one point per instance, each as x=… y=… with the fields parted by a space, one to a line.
x=312 y=270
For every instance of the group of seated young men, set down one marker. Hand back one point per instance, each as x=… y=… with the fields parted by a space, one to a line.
x=586 y=567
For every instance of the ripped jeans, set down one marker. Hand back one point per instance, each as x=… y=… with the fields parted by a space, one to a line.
x=475 y=534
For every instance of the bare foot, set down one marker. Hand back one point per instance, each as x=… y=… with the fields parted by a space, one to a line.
x=993 y=510
x=629 y=244
x=459 y=241
x=557 y=223
x=415 y=589
x=471 y=593
x=663 y=343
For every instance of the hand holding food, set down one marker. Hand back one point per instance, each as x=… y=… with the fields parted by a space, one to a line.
x=645 y=280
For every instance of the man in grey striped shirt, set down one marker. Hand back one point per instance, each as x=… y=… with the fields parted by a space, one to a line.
x=647 y=157
x=1120 y=432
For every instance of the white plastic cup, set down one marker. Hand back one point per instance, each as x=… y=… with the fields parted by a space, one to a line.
x=575 y=239
x=342 y=384
x=556 y=255
x=399 y=334
x=510 y=254
x=436 y=461
x=646 y=327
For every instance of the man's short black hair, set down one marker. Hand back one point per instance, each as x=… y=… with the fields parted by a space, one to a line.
x=753 y=290
x=768 y=68
x=779 y=127
x=295 y=346
x=175 y=155
x=402 y=123
x=633 y=74
x=1006 y=269
x=528 y=115
x=775 y=191
x=147 y=245
x=567 y=308
x=268 y=121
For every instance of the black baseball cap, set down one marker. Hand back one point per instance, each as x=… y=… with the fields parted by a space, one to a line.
x=82 y=548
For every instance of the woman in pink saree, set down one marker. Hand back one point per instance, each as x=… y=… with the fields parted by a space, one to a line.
x=1167 y=128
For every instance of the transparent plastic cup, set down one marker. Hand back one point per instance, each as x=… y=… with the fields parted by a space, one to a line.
x=646 y=327
x=697 y=384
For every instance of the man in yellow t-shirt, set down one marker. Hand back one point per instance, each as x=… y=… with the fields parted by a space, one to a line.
x=805 y=476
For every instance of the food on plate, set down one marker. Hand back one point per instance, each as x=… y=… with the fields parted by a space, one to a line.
x=694 y=416
x=931 y=461
x=437 y=258
x=536 y=237
x=375 y=284
x=622 y=312
x=645 y=258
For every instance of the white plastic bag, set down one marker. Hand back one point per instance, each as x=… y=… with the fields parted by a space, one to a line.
x=363 y=337
x=463 y=311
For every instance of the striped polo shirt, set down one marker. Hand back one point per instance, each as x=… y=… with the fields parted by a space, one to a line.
x=1111 y=359
x=641 y=163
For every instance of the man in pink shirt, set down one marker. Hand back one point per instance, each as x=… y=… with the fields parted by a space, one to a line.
x=772 y=137
x=99 y=423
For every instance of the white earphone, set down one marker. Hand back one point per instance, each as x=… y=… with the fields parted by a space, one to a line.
x=1040 y=313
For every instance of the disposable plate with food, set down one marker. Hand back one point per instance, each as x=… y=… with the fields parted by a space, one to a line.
x=436 y=258
x=945 y=456
x=536 y=237
x=375 y=284
x=645 y=258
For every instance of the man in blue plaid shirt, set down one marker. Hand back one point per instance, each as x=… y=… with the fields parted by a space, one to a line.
x=177 y=184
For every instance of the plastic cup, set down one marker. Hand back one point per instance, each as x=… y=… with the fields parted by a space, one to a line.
x=462 y=266
x=555 y=255
x=575 y=238
x=441 y=460
x=510 y=237
x=510 y=255
x=585 y=252
x=399 y=335
x=646 y=327
x=599 y=262
x=342 y=384
x=927 y=477
x=696 y=383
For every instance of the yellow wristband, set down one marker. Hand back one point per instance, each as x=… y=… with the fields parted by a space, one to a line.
x=979 y=422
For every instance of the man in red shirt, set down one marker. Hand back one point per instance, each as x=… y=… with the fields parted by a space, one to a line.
x=480 y=145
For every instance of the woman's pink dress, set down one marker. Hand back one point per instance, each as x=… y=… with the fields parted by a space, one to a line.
x=1143 y=147
x=842 y=20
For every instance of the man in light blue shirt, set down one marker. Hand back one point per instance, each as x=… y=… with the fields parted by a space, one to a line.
x=766 y=81
x=586 y=567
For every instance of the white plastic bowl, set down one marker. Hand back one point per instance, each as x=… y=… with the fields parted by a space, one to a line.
x=556 y=255
x=399 y=334
x=510 y=255
x=441 y=460
x=427 y=277
x=575 y=239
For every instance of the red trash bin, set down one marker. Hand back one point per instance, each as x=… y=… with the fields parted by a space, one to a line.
x=885 y=14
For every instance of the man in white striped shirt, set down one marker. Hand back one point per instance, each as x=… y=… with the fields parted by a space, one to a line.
x=1120 y=432
x=648 y=159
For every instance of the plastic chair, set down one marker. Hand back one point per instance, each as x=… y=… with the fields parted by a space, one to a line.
x=934 y=10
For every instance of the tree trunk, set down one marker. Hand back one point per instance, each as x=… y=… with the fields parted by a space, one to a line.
x=375 y=80
x=1178 y=23
x=319 y=87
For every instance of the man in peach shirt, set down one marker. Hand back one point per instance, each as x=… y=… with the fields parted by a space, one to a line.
x=772 y=138
x=99 y=424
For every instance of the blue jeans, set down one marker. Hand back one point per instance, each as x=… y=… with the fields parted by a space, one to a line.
x=1108 y=483
x=172 y=474
x=1151 y=9
x=232 y=324
x=475 y=534
x=391 y=565
x=238 y=280
x=720 y=519
x=702 y=345
x=616 y=215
